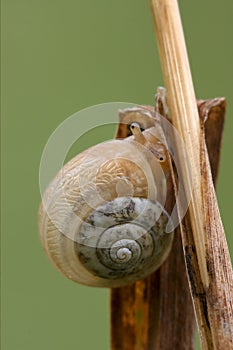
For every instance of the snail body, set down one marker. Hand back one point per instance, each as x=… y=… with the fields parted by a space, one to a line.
x=102 y=221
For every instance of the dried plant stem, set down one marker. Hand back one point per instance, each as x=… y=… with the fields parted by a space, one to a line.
x=141 y=313
x=206 y=254
x=182 y=103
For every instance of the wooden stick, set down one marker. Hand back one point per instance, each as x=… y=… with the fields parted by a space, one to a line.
x=208 y=265
x=141 y=313
x=165 y=295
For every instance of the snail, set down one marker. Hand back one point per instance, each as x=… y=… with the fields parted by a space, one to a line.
x=102 y=219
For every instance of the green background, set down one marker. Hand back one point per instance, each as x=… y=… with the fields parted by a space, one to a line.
x=59 y=57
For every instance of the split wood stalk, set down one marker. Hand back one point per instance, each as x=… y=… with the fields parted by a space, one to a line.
x=206 y=254
x=141 y=313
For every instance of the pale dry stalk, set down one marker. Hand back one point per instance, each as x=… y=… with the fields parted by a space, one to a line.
x=207 y=257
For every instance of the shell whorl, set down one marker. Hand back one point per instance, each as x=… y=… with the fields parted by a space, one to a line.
x=100 y=221
x=129 y=239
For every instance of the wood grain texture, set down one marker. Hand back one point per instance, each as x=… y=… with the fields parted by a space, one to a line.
x=202 y=234
x=212 y=114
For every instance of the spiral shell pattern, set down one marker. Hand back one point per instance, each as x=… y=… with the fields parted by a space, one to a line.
x=124 y=239
x=100 y=221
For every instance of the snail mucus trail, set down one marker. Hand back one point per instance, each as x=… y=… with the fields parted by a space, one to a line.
x=102 y=221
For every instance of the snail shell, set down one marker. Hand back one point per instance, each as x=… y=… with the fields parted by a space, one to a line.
x=101 y=220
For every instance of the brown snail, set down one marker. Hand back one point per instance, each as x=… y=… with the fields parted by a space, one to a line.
x=102 y=220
